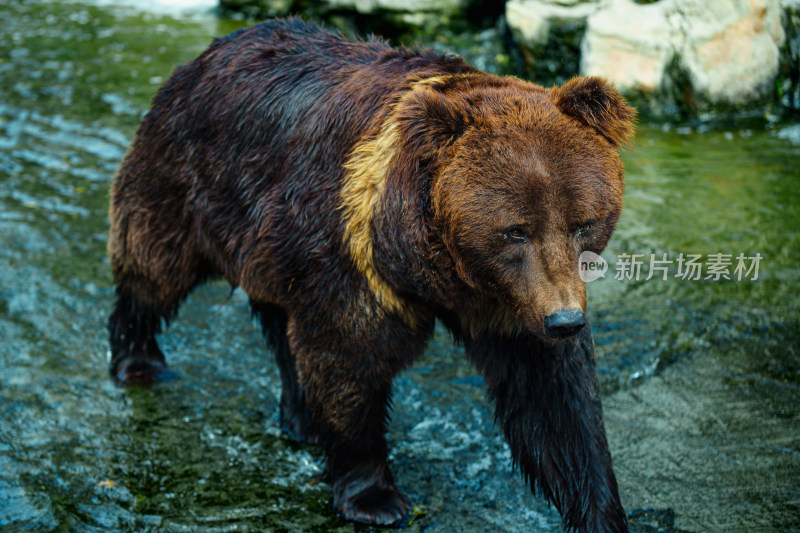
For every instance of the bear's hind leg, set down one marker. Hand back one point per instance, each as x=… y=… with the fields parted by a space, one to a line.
x=156 y=262
x=142 y=308
x=295 y=419
x=136 y=358
x=147 y=300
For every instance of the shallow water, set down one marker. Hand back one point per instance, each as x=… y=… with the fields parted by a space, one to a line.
x=701 y=378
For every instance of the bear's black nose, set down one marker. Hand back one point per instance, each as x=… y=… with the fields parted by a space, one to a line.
x=564 y=323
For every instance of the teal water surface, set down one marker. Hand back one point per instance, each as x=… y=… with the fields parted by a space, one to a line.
x=701 y=377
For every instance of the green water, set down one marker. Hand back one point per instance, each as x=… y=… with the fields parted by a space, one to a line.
x=701 y=378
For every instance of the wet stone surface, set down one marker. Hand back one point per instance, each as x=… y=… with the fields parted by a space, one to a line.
x=701 y=378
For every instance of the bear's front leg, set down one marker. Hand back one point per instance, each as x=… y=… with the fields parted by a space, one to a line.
x=348 y=396
x=547 y=399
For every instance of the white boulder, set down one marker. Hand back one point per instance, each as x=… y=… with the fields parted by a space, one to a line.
x=630 y=44
x=729 y=48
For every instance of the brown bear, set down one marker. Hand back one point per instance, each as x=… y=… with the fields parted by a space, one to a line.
x=357 y=193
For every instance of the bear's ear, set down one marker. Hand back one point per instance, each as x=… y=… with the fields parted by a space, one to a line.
x=596 y=103
x=431 y=120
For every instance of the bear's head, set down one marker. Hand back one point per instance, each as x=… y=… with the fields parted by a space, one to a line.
x=527 y=179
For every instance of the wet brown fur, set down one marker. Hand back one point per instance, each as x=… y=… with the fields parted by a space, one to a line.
x=356 y=193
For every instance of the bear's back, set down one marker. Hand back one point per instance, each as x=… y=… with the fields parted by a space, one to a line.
x=279 y=101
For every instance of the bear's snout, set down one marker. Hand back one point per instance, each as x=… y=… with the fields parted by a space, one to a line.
x=564 y=323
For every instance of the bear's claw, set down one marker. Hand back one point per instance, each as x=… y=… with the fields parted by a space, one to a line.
x=138 y=371
x=378 y=506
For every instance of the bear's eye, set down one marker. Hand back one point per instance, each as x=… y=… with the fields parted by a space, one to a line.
x=516 y=234
x=583 y=229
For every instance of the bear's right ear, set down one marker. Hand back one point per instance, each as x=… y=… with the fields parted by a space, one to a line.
x=431 y=120
x=596 y=103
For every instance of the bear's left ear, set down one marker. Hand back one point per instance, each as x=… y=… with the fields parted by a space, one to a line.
x=596 y=103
